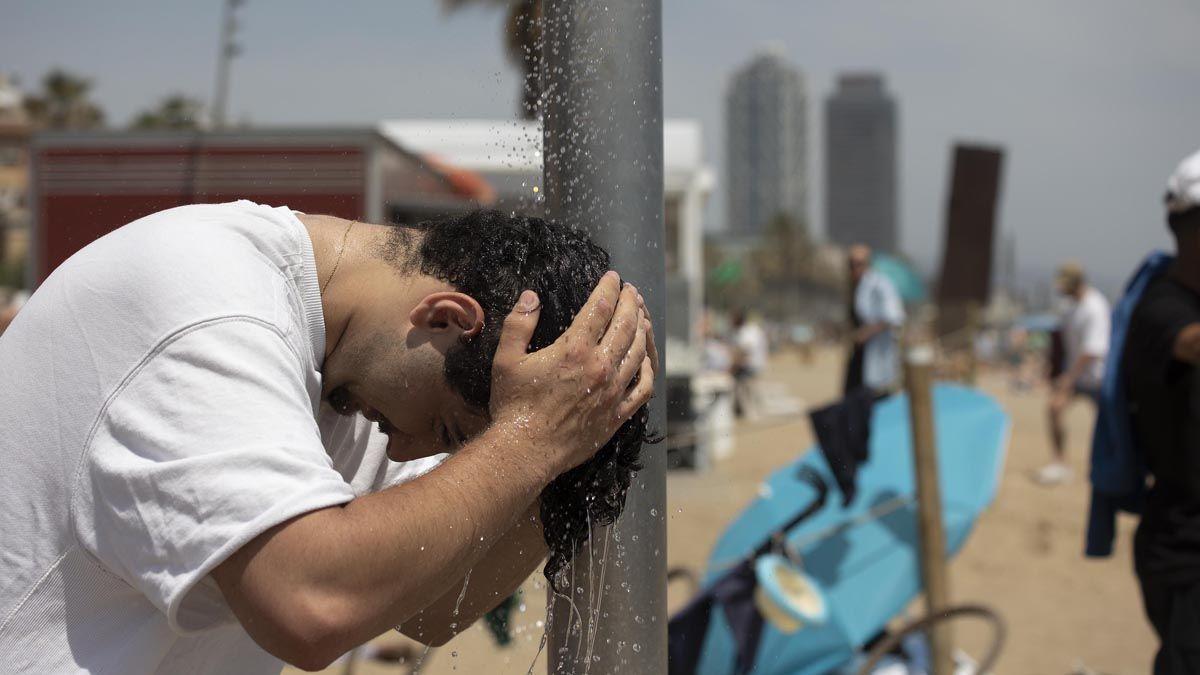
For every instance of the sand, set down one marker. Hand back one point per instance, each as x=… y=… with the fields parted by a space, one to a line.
x=1024 y=558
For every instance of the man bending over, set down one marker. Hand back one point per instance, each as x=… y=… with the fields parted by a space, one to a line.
x=199 y=409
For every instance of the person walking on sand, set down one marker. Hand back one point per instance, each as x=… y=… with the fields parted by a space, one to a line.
x=876 y=314
x=1085 y=332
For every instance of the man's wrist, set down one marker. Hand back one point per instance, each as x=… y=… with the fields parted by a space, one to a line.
x=524 y=451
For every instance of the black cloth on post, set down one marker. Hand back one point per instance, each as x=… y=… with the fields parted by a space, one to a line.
x=843 y=431
x=734 y=592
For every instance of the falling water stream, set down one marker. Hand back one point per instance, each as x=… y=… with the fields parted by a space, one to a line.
x=453 y=625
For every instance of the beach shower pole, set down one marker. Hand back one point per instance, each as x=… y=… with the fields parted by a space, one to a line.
x=603 y=158
x=918 y=376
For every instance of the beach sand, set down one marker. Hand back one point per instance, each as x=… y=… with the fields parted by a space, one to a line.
x=1024 y=558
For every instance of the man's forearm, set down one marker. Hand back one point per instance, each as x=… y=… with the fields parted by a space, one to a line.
x=341 y=576
x=498 y=575
x=865 y=333
x=1068 y=379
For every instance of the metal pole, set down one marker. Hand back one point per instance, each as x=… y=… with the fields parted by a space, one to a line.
x=919 y=382
x=602 y=98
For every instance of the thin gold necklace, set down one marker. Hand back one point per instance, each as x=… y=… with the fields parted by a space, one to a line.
x=341 y=251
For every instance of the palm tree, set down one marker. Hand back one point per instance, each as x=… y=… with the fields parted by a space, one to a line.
x=63 y=103
x=522 y=43
x=176 y=112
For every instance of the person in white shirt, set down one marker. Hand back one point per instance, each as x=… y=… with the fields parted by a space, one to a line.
x=876 y=316
x=1085 y=332
x=199 y=410
x=751 y=351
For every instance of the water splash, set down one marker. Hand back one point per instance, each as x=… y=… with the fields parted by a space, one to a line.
x=545 y=636
x=416 y=669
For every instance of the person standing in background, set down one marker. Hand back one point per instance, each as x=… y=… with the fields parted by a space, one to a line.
x=1085 y=329
x=876 y=314
x=1161 y=359
x=750 y=360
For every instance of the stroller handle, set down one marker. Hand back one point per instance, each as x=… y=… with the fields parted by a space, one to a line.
x=775 y=540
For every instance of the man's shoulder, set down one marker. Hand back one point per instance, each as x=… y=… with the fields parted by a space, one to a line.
x=140 y=285
x=1164 y=309
x=199 y=261
x=1166 y=296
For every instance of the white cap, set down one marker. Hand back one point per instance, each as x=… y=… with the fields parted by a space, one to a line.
x=1183 y=187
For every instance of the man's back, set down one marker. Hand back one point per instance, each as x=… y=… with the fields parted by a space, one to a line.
x=159 y=397
x=1164 y=396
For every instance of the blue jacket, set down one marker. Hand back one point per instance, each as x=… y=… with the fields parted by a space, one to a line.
x=1118 y=469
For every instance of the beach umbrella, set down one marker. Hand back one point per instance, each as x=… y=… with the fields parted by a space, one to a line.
x=906 y=280
x=862 y=556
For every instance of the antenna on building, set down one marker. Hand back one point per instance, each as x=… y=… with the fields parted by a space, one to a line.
x=225 y=53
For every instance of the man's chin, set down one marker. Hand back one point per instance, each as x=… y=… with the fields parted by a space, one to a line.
x=400 y=451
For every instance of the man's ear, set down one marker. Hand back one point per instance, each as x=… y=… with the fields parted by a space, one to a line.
x=448 y=312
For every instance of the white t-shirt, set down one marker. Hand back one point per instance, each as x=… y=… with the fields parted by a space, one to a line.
x=160 y=407
x=1086 y=325
x=751 y=340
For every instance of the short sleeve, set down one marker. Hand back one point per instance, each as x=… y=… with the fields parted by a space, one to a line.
x=210 y=443
x=1097 y=331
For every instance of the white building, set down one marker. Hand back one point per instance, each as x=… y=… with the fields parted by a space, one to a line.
x=508 y=154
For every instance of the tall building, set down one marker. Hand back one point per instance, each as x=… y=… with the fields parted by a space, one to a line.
x=766 y=146
x=860 y=163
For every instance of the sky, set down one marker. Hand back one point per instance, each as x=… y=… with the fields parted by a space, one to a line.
x=1095 y=101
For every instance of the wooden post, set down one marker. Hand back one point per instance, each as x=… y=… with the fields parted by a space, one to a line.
x=919 y=382
x=974 y=325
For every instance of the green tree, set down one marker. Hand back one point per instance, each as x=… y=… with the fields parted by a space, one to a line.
x=175 y=112
x=63 y=103
x=522 y=43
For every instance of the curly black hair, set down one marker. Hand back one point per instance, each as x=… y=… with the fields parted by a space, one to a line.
x=493 y=257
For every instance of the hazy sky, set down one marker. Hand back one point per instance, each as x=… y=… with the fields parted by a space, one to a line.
x=1095 y=100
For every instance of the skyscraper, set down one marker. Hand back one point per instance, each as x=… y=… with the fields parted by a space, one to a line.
x=860 y=163
x=765 y=144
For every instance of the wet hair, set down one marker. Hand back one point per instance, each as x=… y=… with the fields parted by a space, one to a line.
x=493 y=257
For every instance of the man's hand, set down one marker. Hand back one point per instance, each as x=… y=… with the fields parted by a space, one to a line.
x=1187 y=344
x=1059 y=399
x=864 y=334
x=568 y=399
